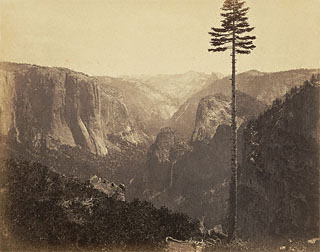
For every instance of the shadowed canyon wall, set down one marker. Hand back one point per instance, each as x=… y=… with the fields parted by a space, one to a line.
x=279 y=175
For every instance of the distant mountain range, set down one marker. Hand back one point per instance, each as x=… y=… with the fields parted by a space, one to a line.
x=178 y=87
x=153 y=100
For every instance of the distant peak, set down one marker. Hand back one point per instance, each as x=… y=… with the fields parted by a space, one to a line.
x=254 y=72
x=193 y=73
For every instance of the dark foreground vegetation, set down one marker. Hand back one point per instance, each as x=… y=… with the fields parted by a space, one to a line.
x=47 y=210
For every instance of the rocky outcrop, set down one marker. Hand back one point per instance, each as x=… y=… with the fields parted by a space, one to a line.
x=215 y=110
x=51 y=107
x=279 y=176
x=109 y=188
x=212 y=112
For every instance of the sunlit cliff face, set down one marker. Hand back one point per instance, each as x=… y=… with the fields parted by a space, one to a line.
x=50 y=107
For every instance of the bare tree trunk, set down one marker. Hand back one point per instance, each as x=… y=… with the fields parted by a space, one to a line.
x=234 y=154
x=171 y=174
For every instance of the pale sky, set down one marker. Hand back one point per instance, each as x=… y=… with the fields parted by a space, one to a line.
x=114 y=37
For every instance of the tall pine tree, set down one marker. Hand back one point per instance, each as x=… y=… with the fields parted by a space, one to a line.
x=233 y=34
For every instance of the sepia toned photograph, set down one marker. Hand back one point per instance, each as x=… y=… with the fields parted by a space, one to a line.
x=159 y=125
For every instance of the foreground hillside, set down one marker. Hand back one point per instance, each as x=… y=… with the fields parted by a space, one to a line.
x=47 y=210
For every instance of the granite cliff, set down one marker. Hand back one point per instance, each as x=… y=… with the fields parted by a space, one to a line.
x=214 y=110
x=161 y=158
x=50 y=107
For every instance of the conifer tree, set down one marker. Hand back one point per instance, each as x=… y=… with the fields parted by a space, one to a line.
x=233 y=35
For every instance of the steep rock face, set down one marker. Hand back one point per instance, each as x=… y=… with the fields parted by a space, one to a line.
x=279 y=175
x=52 y=107
x=146 y=105
x=119 y=124
x=183 y=119
x=215 y=110
x=162 y=156
x=212 y=112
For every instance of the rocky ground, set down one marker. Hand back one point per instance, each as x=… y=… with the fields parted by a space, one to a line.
x=266 y=246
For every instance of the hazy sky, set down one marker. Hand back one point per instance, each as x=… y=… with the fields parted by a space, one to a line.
x=112 y=37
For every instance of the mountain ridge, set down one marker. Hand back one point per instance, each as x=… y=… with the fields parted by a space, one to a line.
x=265 y=87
